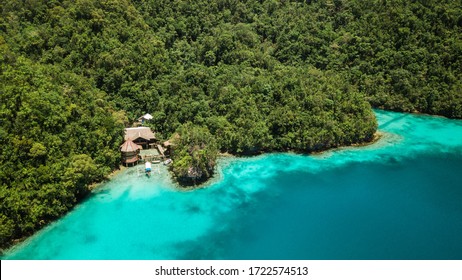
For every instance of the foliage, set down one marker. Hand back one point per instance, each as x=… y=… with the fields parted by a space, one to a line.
x=194 y=154
x=239 y=76
x=57 y=136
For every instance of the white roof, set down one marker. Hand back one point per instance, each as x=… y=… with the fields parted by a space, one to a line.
x=146 y=117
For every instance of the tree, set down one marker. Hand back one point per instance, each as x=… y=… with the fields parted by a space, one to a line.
x=194 y=154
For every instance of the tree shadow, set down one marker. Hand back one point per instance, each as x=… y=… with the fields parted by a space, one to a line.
x=384 y=125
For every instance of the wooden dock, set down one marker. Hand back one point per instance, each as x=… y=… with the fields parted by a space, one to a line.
x=151 y=155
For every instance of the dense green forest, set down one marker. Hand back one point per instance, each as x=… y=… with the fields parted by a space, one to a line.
x=238 y=76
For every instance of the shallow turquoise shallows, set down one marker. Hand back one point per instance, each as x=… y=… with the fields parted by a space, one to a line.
x=400 y=198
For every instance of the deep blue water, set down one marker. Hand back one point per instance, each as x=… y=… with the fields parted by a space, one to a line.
x=400 y=198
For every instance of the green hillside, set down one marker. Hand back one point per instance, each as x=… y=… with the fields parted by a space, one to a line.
x=234 y=76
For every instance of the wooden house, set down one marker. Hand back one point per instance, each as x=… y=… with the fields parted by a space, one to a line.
x=130 y=152
x=142 y=136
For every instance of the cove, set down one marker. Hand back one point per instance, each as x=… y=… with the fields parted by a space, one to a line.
x=399 y=198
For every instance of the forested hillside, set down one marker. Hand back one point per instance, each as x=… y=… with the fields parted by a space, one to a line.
x=239 y=76
x=58 y=134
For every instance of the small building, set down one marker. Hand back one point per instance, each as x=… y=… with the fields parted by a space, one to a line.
x=130 y=152
x=161 y=150
x=142 y=136
x=145 y=118
x=169 y=144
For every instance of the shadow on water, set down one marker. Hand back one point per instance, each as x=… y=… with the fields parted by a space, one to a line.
x=400 y=200
x=398 y=118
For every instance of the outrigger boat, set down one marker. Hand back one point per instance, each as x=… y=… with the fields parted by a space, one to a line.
x=147 y=166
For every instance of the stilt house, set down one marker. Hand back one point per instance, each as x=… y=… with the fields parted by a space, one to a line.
x=130 y=153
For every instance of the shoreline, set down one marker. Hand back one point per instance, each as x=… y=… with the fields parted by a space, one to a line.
x=108 y=178
x=178 y=187
x=91 y=188
x=376 y=137
x=416 y=112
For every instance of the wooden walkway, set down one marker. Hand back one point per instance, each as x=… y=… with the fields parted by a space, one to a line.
x=152 y=155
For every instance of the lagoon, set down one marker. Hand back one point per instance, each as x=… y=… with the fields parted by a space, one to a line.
x=399 y=198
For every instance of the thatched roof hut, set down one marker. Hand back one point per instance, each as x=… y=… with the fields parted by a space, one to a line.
x=129 y=146
x=139 y=132
x=130 y=152
x=142 y=136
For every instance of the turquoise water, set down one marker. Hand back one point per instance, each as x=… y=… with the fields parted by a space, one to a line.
x=400 y=198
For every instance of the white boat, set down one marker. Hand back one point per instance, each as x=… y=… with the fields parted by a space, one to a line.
x=168 y=161
x=147 y=166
